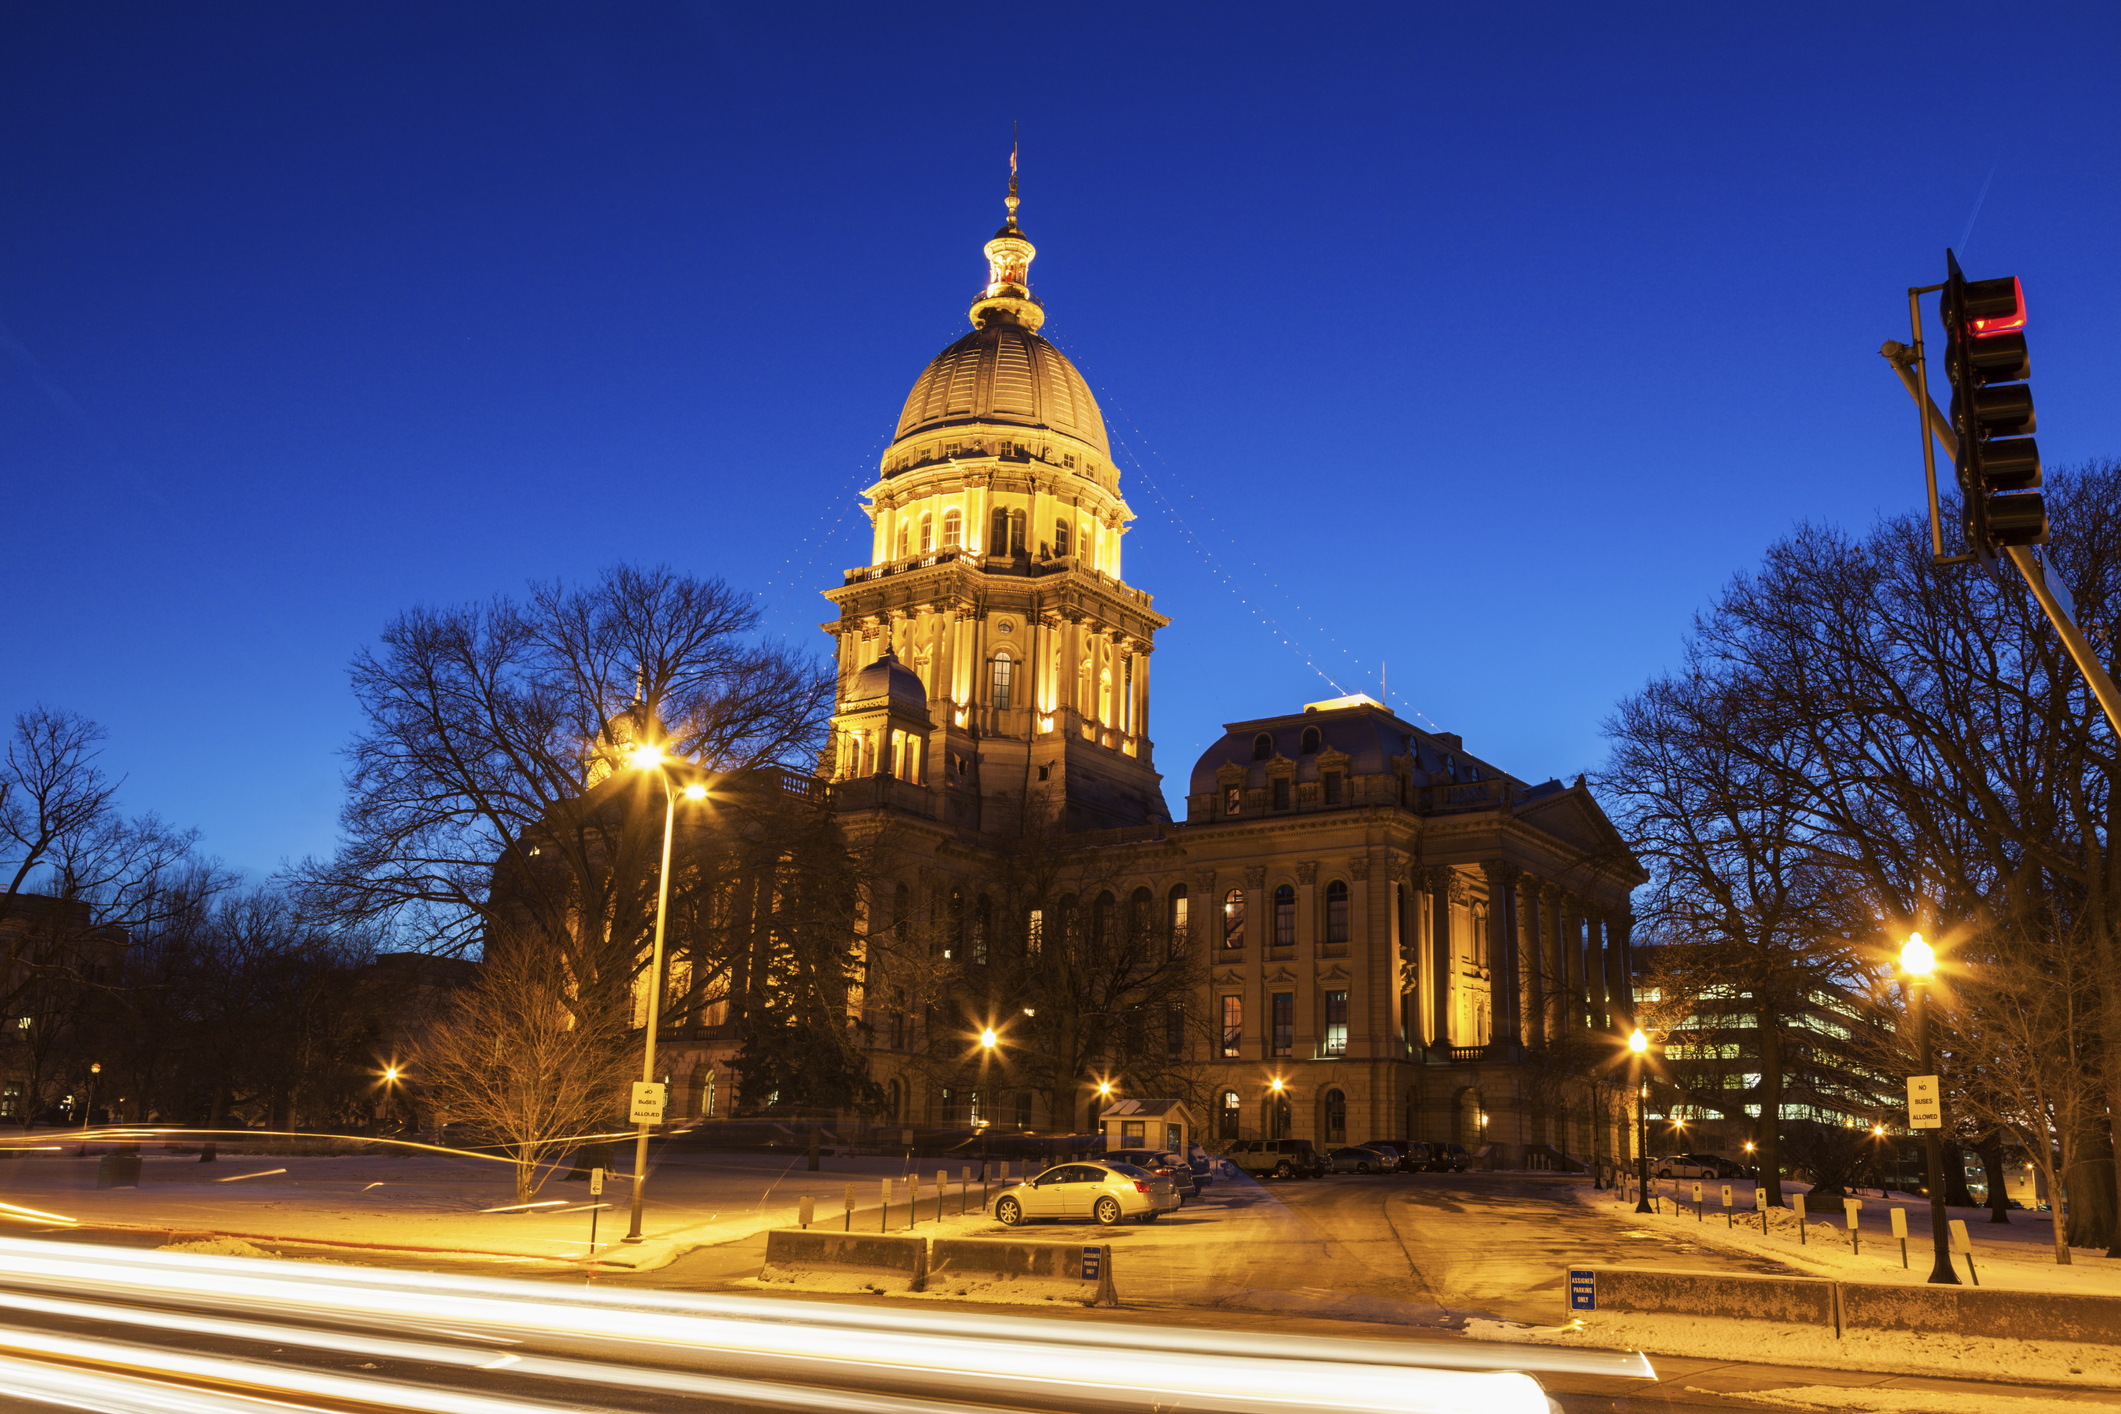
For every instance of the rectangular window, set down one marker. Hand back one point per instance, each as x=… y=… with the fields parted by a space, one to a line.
x=1233 y=1026
x=1178 y=920
x=1336 y=1023
x=1004 y=679
x=1231 y=797
x=1234 y=919
x=1284 y=1022
x=1281 y=792
x=1133 y=1133
x=1332 y=780
x=1035 y=932
x=1175 y=1032
x=1173 y=1137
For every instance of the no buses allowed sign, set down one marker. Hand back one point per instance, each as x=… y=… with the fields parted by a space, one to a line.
x=1924 y=1109
x=647 y=1102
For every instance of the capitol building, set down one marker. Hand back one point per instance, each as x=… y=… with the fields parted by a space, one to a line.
x=1359 y=929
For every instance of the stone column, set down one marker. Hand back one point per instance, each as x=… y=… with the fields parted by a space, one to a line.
x=1440 y=962
x=1531 y=996
x=1594 y=966
x=1570 y=917
x=1359 y=936
x=1502 y=950
x=1258 y=928
x=1621 y=987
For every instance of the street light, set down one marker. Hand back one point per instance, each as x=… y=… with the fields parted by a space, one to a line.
x=988 y=1040
x=1918 y=961
x=1639 y=1046
x=649 y=757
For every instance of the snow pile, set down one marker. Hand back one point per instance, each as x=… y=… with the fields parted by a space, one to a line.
x=1889 y=1352
x=1894 y=1400
x=220 y=1247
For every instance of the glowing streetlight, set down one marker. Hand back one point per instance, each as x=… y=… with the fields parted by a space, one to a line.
x=1639 y=1044
x=987 y=1039
x=1275 y=1085
x=1918 y=962
x=390 y=1075
x=1104 y=1087
x=649 y=757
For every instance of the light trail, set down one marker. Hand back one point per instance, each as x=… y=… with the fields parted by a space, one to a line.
x=261 y=1173
x=760 y=1351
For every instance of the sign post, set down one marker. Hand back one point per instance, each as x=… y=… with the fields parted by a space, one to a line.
x=1697 y=1201
x=1851 y=1207
x=1728 y=1220
x=1899 y=1218
x=1924 y=1109
x=849 y=1199
x=596 y=1190
x=1961 y=1244
x=805 y=1210
x=648 y=1096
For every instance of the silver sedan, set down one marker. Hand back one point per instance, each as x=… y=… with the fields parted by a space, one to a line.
x=1107 y=1193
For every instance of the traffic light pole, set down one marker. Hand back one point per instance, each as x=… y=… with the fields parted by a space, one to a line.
x=1904 y=362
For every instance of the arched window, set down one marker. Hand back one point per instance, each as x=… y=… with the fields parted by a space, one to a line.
x=1310 y=745
x=1234 y=919
x=1175 y=911
x=1016 y=532
x=953 y=529
x=1337 y=912
x=1141 y=913
x=904 y=531
x=1336 y=1117
x=1060 y=537
x=1227 y=1115
x=1101 y=922
x=1004 y=680
x=927 y=532
x=1284 y=917
x=1262 y=747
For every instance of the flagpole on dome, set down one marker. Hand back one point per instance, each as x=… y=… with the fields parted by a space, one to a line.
x=1014 y=143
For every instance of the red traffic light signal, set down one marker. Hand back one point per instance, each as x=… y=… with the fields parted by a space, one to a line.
x=1992 y=410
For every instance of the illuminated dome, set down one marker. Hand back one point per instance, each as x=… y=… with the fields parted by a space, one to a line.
x=1003 y=375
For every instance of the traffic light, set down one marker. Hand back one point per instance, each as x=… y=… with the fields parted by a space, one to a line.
x=1992 y=410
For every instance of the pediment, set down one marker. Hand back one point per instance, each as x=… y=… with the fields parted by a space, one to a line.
x=1281 y=974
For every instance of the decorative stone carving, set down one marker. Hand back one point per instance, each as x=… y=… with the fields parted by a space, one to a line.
x=1255 y=876
x=1204 y=881
x=1359 y=867
x=1307 y=872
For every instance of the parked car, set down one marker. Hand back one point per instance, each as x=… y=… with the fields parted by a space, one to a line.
x=1359 y=1159
x=1163 y=1164
x=1107 y=1192
x=1696 y=1166
x=1446 y=1158
x=1406 y=1154
x=1276 y=1158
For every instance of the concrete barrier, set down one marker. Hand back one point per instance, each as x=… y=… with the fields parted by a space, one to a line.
x=844 y=1261
x=1797 y=1301
x=1847 y=1307
x=1058 y=1271
x=1976 y=1311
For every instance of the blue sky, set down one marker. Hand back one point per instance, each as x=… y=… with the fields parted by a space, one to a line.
x=1480 y=342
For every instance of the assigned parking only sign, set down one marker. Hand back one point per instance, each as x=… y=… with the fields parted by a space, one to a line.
x=1583 y=1291
x=1093 y=1260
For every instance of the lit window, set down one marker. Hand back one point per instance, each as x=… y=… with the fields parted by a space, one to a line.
x=1231 y=797
x=953 y=528
x=927 y=533
x=1178 y=918
x=1234 y=919
x=1060 y=537
x=1336 y=1023
x=1004 y=677
x=1233 y=1026
x=1284 y=917
x=1336 y=1117
x=1284 y=1022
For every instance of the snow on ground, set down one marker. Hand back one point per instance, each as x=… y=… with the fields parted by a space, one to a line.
x=442 y=1203
x=2053 y=1362
x=2018 y=1255
x=1899 y=1400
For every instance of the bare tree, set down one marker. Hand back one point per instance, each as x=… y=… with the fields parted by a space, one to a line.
x=521 y=1061
x=495 y=746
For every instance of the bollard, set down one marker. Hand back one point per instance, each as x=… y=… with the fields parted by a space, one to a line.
x=883 y=1212
x=1797 y=1202
x=964 y=1188
x=1899 y=1220
x=1961 y=1243
x=1760 y=1202
x=942 y=1186
x=1728 y=1222
x=1851 y=1207
x=850 y=1208
x=805 y=1210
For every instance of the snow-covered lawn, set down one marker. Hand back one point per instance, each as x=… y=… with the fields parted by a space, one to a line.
x=444 y=1203
x=2018 y=1255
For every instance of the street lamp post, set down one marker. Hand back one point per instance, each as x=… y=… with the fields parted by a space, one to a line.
x=1639 y=1045
x=987 y=1042
x=1919 y=962
x=650 y=758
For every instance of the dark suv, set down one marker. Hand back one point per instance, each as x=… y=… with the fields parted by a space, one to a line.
x=1446 y=1158
x=1276 y=1158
